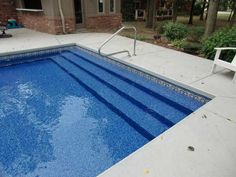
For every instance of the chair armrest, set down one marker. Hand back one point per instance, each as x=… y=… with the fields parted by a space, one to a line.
x=219 y=49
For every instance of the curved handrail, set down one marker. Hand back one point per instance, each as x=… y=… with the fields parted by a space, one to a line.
x=113 y=35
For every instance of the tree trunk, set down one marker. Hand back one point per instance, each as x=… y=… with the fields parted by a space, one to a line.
x=150 y=13
x=207 y=11
x=190 y=22
x=175 y=10
x=230 y=15
x=232 y=11
x=233 y=18
x=203 y=10
x=212 y=16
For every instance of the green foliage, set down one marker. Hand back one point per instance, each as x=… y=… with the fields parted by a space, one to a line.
x=178 y=43
x=160 y=25
x=231 y=4
x=186 y=46
x=225 y=37
x=197 y=8
x=223 y=5
x=195 y=33
x=175 y=31
x=138 y=37
x=127 y=10
x=191 y=47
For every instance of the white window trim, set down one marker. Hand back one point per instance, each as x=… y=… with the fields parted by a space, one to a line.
x=114 y=2
x=29 y=10
x=103 y=12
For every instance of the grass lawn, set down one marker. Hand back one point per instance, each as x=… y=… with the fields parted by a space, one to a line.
x=221 y=20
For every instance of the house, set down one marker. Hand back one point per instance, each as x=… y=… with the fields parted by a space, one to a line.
x=138 y=9
x=58 y=16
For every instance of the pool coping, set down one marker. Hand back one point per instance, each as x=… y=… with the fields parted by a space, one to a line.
x=166 y=155
x=5 y=54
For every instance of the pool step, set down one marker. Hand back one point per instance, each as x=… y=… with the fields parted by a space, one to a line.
x=159 y=91
x=159 y=104
x=113 y=99
x=118 y=90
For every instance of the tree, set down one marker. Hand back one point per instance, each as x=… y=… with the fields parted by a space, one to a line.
x=150 y=13
x=233 y=18
x=211 y=18
x=230 y=15
x=191 y=13
x=175 y=10
x=207 y=11
x=231 y=6
x=203 y=9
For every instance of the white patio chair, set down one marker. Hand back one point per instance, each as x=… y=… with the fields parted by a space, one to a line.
x=217 y=61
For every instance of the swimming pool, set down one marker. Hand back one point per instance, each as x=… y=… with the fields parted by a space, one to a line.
x=69 y=112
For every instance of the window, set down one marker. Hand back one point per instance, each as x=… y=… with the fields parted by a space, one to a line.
x=29 y=4
x=101 y=6
x=112 y=5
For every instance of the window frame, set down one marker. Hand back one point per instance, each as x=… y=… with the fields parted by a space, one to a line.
x=114 y=6
x=103 y=7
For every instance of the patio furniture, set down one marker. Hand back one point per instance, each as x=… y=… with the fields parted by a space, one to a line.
x=140 y=14
x=3 y=28
x=11 y=24
x=217 y=61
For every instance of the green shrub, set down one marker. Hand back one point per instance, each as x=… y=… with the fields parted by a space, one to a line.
x=191 y=47
x=223 y=38
x=175 y=31
x=178 y=43
x=186 y=46
x=195 y=33
x=160 y=25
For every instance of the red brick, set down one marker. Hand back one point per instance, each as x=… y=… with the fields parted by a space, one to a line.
x=7 y=10
x=104 y=21
x=39 y=22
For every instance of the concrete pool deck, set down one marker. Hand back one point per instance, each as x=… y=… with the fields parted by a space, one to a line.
x=211 y=130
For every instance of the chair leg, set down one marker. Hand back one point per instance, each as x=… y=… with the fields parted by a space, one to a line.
x=234 y=79
x=213 y=68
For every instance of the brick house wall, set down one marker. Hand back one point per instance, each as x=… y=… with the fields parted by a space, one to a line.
x=104 y=21
x=38 y=21
x=48 y=20
x=7 y=10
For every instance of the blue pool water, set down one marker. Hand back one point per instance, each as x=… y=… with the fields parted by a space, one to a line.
x=75 y=114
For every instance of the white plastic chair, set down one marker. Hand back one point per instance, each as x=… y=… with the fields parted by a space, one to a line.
x=217 y=61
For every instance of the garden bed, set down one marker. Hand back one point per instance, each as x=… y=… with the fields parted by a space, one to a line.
x=190 y=43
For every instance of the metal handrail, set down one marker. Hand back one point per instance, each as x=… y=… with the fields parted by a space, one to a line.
x=113 y=35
